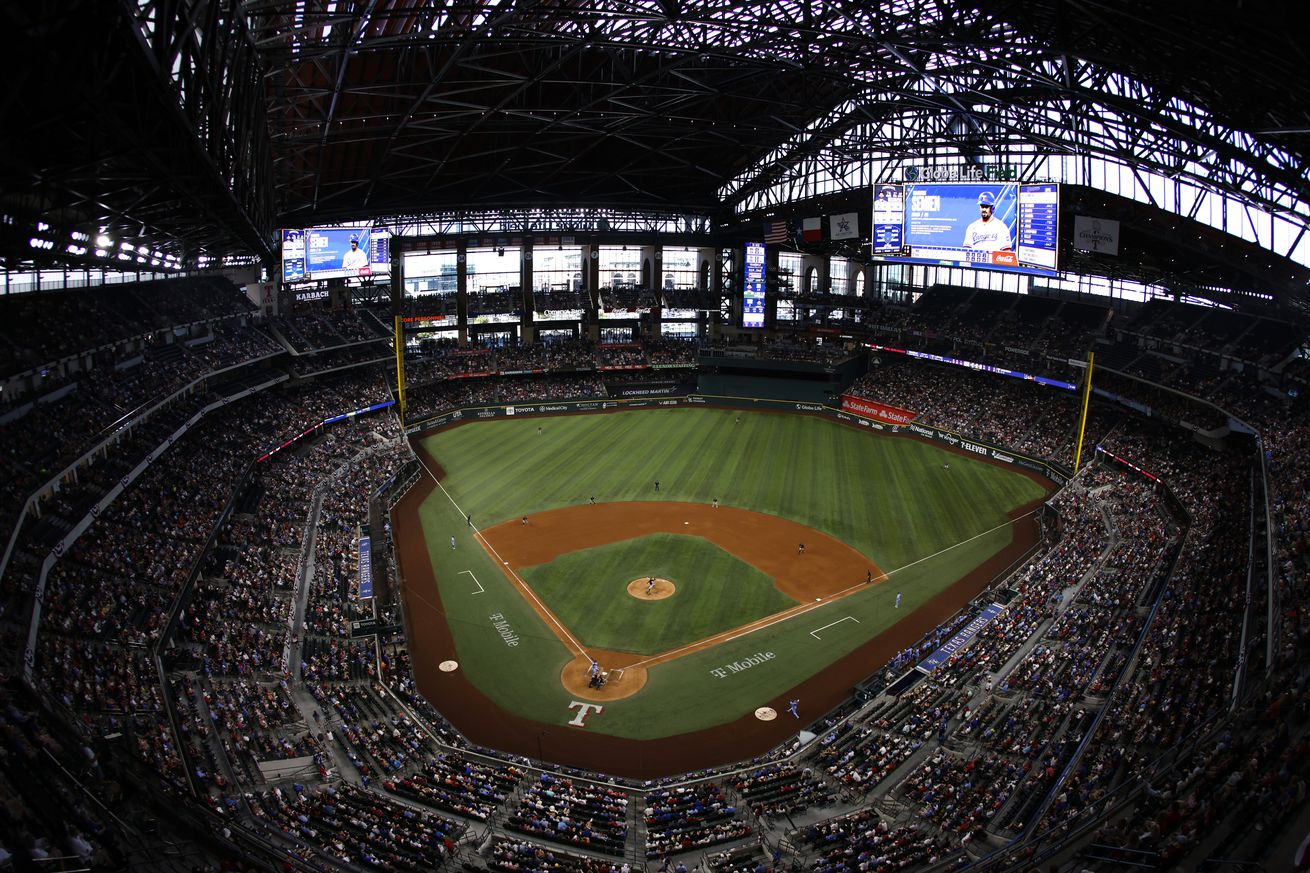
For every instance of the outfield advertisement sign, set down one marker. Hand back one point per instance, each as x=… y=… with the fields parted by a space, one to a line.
x=651 y=389
x=874 y=409
x=961 y=638
x=561 y=407
x=1043 y=468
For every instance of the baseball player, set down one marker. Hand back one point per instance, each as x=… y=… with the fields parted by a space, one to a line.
x=355 y=258
x=988 y=233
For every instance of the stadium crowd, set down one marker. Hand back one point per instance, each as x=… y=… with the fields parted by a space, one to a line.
x=1085 y=700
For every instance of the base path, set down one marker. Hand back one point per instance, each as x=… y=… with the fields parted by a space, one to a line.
x=766 y=542
x=824 y=570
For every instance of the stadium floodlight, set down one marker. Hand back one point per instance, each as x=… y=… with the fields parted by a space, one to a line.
x=104 y=242
x=127 y=247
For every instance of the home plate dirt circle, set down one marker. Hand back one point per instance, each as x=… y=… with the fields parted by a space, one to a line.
x=620 y=682
x=643 y=590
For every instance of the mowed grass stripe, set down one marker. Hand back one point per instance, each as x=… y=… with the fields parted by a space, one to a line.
x=716 y=592
x=499 y=472
x=888 y=497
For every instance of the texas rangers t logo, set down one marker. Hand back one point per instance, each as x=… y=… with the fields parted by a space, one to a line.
x=584 y=710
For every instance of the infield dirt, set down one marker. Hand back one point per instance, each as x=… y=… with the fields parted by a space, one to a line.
x=823 y=570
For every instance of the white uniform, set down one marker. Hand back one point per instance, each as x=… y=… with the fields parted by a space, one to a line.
x=987 y=236
x=354 y=259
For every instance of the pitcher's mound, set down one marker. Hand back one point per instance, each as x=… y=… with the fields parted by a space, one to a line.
x=642 y=589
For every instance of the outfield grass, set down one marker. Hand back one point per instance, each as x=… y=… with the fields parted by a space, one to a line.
x=716 y=591
x=889 y=497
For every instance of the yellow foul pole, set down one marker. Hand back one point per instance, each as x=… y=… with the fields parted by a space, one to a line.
x=400 y=369
x=1082 y=421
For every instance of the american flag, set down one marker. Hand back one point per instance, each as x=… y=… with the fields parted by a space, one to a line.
x=776 y=232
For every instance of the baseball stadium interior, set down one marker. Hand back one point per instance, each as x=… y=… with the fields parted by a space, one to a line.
x=253 y=251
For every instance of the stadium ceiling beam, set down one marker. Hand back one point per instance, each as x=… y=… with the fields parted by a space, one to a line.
x=465 y=46
x=630 y=96
x=1131 y=127
x=356 y=26
x=207 y=77
x=452 y=90
x=482 y=222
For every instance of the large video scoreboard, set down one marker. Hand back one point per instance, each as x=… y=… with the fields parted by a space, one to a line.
x=335 y=252
x=752 y=299
x=1006 y=226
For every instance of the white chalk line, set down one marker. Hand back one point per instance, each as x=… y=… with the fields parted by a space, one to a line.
x=815 y=633
x=508 y=569
x=480 y=590
x=807 y=607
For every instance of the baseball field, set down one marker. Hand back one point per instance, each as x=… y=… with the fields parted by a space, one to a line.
x=713 y=565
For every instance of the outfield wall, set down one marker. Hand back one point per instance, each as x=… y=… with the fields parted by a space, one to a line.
x=1054 y=472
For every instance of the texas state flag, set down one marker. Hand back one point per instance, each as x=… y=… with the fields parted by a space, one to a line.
x=812 y=230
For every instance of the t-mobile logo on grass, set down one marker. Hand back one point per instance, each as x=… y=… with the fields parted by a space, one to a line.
x=584 y=710
x=744 y=664
x=502 y=627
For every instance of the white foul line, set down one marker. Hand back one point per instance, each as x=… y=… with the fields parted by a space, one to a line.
x=815 y=633
x=480 y=590
x=795 y=611
x=522 y=585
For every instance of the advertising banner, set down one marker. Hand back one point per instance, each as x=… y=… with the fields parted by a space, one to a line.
x=649 y=389
x=874 y=409
x=365 y=568
x=961 y=638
